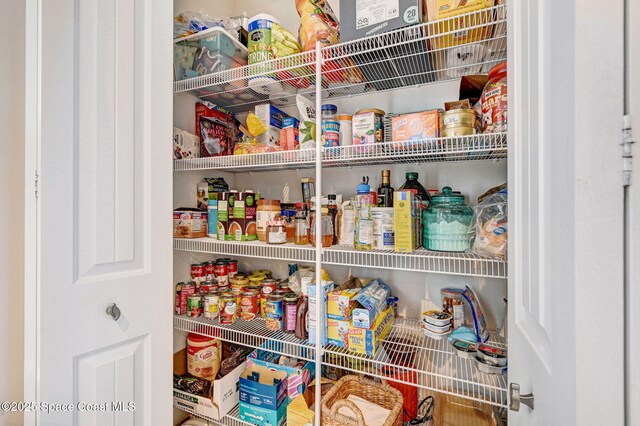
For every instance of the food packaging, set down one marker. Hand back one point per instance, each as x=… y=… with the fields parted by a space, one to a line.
x=242 y=217
x=405 y=211
x=317 y=23
x=434 y=335
x=185 y=145
x=437 y=318
x=436 y=328
x=213 y=134
x=416 y=126
x=367 y=126
x=485 y=367
x=367 y=341
x=464 y=349
x=370 y=302
x=290 y=134
x=208 y=109
x=364 y=18
x=189 y=223
x=479 y=320
x=444 y=9
x=273 y=119
x=491 y=225
x=492 y=355
x=458 y=122
x=338 y=333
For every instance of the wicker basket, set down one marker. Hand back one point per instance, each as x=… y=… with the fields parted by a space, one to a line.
x=379 y=393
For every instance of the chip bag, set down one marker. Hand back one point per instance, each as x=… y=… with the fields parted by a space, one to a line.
x=317 y=23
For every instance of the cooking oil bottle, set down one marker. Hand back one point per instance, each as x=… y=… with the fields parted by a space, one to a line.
x=364 y=224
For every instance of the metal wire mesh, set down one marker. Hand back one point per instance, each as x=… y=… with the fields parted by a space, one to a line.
x=231 y=419
x=420 y=54
x=457 y=148
x=421 y=260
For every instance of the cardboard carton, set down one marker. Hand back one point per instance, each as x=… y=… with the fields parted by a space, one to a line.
x=368 y=341
x=263 y=387
x=263 y=416
x=341 y=303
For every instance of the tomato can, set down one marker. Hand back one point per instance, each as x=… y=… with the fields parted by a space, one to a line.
x=186 y=289
x=222 y=273
x=227 y=309
x=233 y=268
x=194 y=305
x=208 y=287
x=198 y=272
x=273 y=311
x=210 y=305
x=249 y=305
x=210 y=271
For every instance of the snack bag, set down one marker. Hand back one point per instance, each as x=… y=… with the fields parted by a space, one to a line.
x=317 y=23
x=490 y=226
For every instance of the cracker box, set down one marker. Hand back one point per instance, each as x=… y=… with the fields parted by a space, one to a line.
x=340 y=304
x=338 y=333
x=404 y=224
x=416 y=126
x=367 y=341
x=189 y=223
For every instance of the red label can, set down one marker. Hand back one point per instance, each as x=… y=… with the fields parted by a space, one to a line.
x=188 y=289
x=268 y=286
x=249 y=305
x=208 y=287
x=228 y=309
x=222 y=273
x=210 y=271
x=199 y=272
x=233 y=268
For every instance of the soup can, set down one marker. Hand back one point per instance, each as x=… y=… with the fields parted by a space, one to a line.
x=199 y=272
x=210 y=271
x=256 y=279
x=268 y=286
x=237 y=292
x=194 y=306
x=228 y=309
x=274 y=313
x=233 y=268
x=208 y=287
x=186 y=289
x=263 y=304
x=210 y=305
x=222 y=273
x=255 y=288
x=249 y=305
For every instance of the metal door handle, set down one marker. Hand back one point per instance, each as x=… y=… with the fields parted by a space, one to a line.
x=113 y=311
x=515 y=398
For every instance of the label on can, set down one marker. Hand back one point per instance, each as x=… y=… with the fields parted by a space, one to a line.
x=233 y=268
x=210 y=272
x=199 y=272
x=268 y=286
x=222 y=273
x=210 y=308
x=331 y=133
x=194 y=306
x=274 y=314
x=249 y=305
x=228 y=310
x=188 y=289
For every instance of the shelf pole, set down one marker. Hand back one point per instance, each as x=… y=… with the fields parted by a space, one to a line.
x=318 y=239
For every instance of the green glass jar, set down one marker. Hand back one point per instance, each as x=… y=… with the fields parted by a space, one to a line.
x=446 y=222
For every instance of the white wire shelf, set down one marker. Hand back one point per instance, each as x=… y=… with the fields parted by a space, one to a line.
x=421 y=54
x=488 y=146
x=252 y=334
x=231 y=419
x=408 y=356
x=421 y=260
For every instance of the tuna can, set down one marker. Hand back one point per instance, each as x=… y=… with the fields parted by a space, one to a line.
x=210 y=308
x=194 y=306
x=249 y=305
x=228 y=309
x=273 y=312
x=383 y=233
x=222 y=273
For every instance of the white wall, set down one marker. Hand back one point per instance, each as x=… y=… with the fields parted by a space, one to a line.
x=12 y=199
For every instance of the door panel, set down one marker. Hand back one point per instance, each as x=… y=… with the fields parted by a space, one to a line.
x=104 y=211
x=566 y=209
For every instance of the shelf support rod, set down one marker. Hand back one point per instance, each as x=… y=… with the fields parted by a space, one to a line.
x=318 y=239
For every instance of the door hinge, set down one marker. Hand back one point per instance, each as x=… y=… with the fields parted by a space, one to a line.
x=35 y=184
x=627 y=156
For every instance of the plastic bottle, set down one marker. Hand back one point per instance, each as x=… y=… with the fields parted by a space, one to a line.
x=330 y=126
x=364 y=223
x=333 y=213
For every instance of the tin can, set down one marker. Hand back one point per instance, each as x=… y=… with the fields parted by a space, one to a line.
x=208 y=287
x=457 y=122
x=194 y=306
x=228 y=309
x=224 y=289
x=237 y=292
x=222 y=273
x=280 y=292
x=249 y=305
x=265 y=272
x=210 y=305
x=268 y=286
x=256 y=279
x=186 y=289
x=263 y=304
x=233 y=268
x=198 y=272
x=273 y=312
x=210 y=271
x=224 y=259
x=239 y=280
x=255 y=288
x=284 y=286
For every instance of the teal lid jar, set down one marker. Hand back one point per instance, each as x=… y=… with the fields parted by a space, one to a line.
x=446 y=222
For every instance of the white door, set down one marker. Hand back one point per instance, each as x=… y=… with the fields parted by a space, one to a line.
x=102 y=136
x=566 y=207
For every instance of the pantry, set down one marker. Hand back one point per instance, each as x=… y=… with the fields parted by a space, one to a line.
x=348 y=204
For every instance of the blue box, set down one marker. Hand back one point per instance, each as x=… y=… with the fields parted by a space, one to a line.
x=263 y=416
x=297 y=378
x=311 y=315
x=268 y=389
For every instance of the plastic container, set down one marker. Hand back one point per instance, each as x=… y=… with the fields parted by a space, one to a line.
x=434 y=335
x=346 y=129
x=203 y=356
x=446 y=222
x=485 y=367
x=492 y=355
x=464 y=349
x=437 y=318
x=364 y=223
x=330 y=126
x=326 y=227
x=494 y=100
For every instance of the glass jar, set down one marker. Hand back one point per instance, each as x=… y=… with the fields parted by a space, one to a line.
x=416 y=187
x=301 y=236
x=290 y=227
x=446 y=222
x=276 y=232
x=290 y=308
x=326 y=227
x=266 y=211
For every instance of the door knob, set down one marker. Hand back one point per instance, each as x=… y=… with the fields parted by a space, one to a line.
x=113 y=311
x=515 y=399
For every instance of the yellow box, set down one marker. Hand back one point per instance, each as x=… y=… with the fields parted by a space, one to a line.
x=340 y=304
x=367 y=342
x=404 y=223
x=455 y=28
x=338 y=333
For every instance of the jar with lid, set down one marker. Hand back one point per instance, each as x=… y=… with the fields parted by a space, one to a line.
x=446 y=222
x=301 y=236
x=290 y=314
x=290 y=227
x=330 y=126
x=326 y=227
x=494 y=100
x=266 y=211
x=276 y=232
x=346 y=129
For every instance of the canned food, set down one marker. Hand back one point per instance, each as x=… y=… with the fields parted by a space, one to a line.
x=222 y=273
x=187 y=289
x=194 y=306
x=268 y=286
x=227 y=309
x=210 y=308
x=256 y=279
x=210 y=271
x=198 y=272
x=237 y=292
x=290 y=312
x=224 y=289
x=239 y=280
x=233 y=268
x=208 y=287
x=249 y=305
x=265 y=272
x=255 y=288
x=177 y=298
x=263 y=304
x=280 y=292
x=458 y=122
x=273 y=312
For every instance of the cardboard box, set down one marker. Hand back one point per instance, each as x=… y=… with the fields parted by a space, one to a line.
x=290 y=134
x=242 y=216
x=364 y=18
x=370 y=302
x=273 y=119
x=223 y=216
x=297 y=378
x=367 y=342
x=338 y=333
x=263 y=416
x=311 y=323
x=185 y=145
x=416 y=126
x=299 y=411
x=404 y=223
x=189 y=223
x=263 y=387
x=224 y=397
x=341 y=303
x=444 y=9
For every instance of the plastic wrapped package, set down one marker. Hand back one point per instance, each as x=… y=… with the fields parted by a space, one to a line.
x=490 y=226
x=317 y=23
